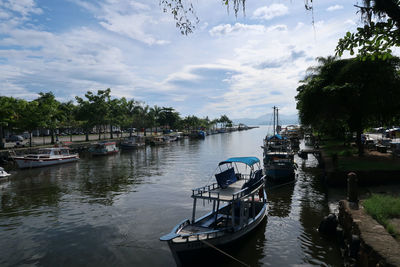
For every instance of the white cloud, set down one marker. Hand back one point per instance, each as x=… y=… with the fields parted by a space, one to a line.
x=270 y=12
x=249 y=65
x=131 y=26
x=131 y=19
x=24 y=7
x=334 y=8
x=238 y=28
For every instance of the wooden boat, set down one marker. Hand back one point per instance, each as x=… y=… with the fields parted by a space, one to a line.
x=132 y=142
x=279 y=167
x=103 y=148
x=46 y=157
x=3 y=173
x=278 y=156
x=159 y=140
x=239 y=204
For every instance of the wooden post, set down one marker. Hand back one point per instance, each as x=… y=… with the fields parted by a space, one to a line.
x=194 y=210
x=253 y=206
x=216 y=212
x=233 y=213
x=352 y=190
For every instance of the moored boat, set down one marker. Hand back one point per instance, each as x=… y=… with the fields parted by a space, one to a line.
x=132 y=142
x=279 y=167
x=46 y=157
x=239 y=205
x=278 y=155
x=3 y=173
x=159 y=140
x=103 y=148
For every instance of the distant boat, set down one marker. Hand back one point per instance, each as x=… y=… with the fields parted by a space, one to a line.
x=3 y=173
x=103 y=148
x=239 y=205
x=198 y=134
x=46 y=157
x=159 y=140
x=132 y=142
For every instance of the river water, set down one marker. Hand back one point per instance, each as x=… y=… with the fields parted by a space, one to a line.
x=111 y=211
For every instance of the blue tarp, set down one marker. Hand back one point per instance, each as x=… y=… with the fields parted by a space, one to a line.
x=246 y=160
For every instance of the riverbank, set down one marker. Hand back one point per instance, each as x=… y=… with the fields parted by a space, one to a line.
x=367 y=242
x=373 y=168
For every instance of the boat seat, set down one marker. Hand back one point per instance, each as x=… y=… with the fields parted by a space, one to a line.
x=211 y=220
x=225 y=178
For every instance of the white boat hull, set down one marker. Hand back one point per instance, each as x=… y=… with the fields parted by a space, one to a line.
x=34 y=163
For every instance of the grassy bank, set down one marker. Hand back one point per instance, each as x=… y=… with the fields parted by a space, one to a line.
x=345 y=158
x=383 y=208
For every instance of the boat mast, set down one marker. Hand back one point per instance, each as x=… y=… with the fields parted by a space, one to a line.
x=274 y=122
x=277 y=121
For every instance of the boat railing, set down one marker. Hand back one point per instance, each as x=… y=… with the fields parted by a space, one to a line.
x=244 y=192
x=205 y=189
x=205 y=235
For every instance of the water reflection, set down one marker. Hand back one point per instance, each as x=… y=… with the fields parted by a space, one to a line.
x=280 y=200
x=111 y=211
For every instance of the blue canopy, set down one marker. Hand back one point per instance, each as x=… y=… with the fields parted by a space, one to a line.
x=278 y=136
x=246 y=160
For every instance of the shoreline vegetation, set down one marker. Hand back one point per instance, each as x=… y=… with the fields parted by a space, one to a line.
x=96 y=113
x=383 y=208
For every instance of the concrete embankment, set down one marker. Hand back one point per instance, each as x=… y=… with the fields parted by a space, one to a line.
x=367 y=241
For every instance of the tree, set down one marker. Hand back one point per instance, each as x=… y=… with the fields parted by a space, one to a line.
x=169 y=117
x=29 y=118
x=68 y=114
x=226 y=122
x=95 y=110
x=130 y=109
x=142 y=118
x=351 y=94
x=8 y=115
x=48 y=112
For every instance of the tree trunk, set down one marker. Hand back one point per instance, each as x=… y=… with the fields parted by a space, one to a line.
x=52 y=136
x=30 y=139
x=99 y=133
x=87 y=135
x=2 y=143
x=360 y=145
x=111 y=132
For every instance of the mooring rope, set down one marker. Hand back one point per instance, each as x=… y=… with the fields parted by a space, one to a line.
x=223 y=252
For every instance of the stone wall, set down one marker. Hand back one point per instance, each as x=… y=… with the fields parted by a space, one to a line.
x=366 y=240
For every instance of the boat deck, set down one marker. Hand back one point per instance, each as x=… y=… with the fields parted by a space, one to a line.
x=224 y=194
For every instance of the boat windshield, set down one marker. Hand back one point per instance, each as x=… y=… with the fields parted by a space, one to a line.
x=44 y=151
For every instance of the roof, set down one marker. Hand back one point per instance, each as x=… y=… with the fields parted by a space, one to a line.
x=246 y=160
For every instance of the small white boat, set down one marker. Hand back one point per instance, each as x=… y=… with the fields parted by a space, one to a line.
x=103 y=148
x=46 y=157
x=239 y=205
x=3 y=173
x=132 y=142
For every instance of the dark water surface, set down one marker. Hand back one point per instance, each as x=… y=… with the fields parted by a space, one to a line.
x=111 y=211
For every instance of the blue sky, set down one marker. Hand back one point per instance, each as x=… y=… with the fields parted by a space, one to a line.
x=240 y=66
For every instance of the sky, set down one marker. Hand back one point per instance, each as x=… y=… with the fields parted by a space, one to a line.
x=239 y=66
